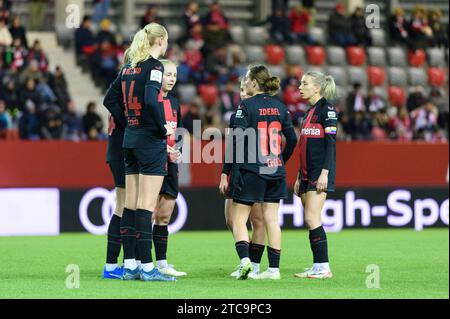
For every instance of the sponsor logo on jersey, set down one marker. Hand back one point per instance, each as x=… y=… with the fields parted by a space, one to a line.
x=332 y=114
x=311 y=131
x=156 y=76
x=330 y=130
x=239 y=114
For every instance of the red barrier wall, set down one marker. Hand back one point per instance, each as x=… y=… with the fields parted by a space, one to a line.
x=359 y=164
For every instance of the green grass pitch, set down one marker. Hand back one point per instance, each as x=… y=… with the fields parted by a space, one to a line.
x=411 y=265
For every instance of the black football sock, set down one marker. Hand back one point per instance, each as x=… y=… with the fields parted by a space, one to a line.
x=319 y=245
x=274 y=257
x=160 y=237
x=144 y=235
x=256 y=252
x=128 y=233
x=114 y=240
x=242 y=249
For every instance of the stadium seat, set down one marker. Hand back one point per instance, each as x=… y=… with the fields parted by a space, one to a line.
x=318 y=35
x=356 y=55
x=339 y=74
x=277 y=70
x=396 y=56
x=379 y=134
x=187 y=93
x=436 y=76
x=312 y=68
x=417 y=76
x=12 y=134
x=315 y=55
x=255 y=53
x=376 y=56
x=274 y=54
x=416 y=58
x=436 y=57
x=376 y=75
x=257 y=35
x=209 y=93
x=397 y=76
x=64 y=35
x=381 y=91
x=237 y=34
x=336 y=55
x=357 y=75
x=175 y=32
x=295 y=55
x=397 y=96
x=378 y=37
x=128 y=31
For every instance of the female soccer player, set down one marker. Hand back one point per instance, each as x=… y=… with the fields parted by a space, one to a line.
x=114 y=157
x=145 y=148
x=169 y=190
x=257 y=245
x=317 y=164
x=260 y=172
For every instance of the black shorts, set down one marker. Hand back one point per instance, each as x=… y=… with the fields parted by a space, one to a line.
x=170 y=183
x=118 y=172
x=250 y=188
x=147 y=160
x=306 y=186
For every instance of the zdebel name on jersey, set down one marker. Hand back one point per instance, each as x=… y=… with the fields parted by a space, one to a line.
x=311 y=131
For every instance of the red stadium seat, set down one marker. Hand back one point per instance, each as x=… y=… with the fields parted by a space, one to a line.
x=209 y=93
x=12 y=134
x=316 y=55
x=379 y=134
x=396 y=96
x=376 y=75
x=274 y=54
x=356 y=55
x=436 y=76
x=416 y=58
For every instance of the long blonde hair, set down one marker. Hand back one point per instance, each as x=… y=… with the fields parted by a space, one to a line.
x=143 y=41
x=326 y=83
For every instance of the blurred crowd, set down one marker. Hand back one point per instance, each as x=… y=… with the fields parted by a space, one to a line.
x=206 y=54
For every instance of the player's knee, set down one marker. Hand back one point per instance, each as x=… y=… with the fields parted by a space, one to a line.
x=257 y=222
x=312 y=222
x=162 y=220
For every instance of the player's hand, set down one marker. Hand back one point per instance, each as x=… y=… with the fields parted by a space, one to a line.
x=174 y=154
x=223 y=186
x=297 y=187
x=169 y=129
x=322 y=182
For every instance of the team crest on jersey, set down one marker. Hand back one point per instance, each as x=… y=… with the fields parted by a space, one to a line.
x=239 y=114
x=156 y=76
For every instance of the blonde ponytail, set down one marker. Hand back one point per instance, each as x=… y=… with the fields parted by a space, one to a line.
x=143 y=41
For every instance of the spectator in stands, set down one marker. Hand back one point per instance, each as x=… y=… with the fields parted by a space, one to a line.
x=229 y=100
x=5 y=9
x=52 y=124
x=105 y=59
x=19 y=55
x=360 y=126
x=105 y=34
x=29 y=125
x=101 y=10
x=92 y=123
x=191 y=115
x=216 y=28
x=374 y=101
x=279 y=27
x=37 y=54
x=310 y=6
x=415 y=98
x=398 y=27
x=150 y=16
x=5 y=36
x=425 y=121
x=356 y=101
x=5 y=120
x=211 y=117
x=18 y=31
x=10 y=97
x=299 y=19
x=360 y=29
x=191 y=17
x=438 y=98
x=59 y=86
x=38 y=9
x=400 y=125
x=30 y=93
x=420 y=31
x=73 y=126
x=85 y=43
x=340 y=27
x=280 y=4
x=440 y=35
